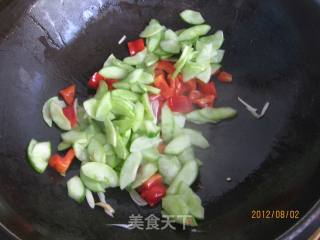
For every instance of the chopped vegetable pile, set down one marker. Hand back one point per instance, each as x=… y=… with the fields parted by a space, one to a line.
x=132 y=133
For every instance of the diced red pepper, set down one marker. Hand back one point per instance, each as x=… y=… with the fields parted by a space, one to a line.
x=176 y=84
x=69 y=112
x=206 y=101
x=68 y=94
x=179 y=103
x=160 y=82
x=189 y=86
x=152 y=181
x=224 y=77
x=110 y=83
x=93 y=82
x=154 y=194
x=61 y=164
x=195 y=94
x=135 y=46
x=166 y=66
x=161 y=148
x=207 y=88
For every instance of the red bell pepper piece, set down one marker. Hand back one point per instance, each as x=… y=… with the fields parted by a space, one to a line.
x=179 y=103
x=207 y=88
x=68 y=94
x=70 y=113
x=152 y=181
x=93 y=82
x=160 y=82
x=194 y=95
x=61 y=164
x=135 y=46
x=110 y=83
x=154 y=194
x=224 y=77
x=206 y=101
x=166 y=66
x=189 y=86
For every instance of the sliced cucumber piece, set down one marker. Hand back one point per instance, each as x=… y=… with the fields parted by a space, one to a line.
x=153 y=41
x=38 y=155
x=104 y=107
x=196 y=138
x=139 y=113
x=58 y=116
x=134 y=76
x=147 y=106
x=144 y=173
x=102 y=90
x=121 y=85
x=174 y=205
x=192 y=17
x=80 y=150
x=150 y=154
x=167 y=123
x=120 y=149
x=194 y=32
x=46 y=110
x=90 y=106
x=169 y=167
x=76 y=189
x=110 y=132
x=192 y=200
x=129 y=169
x=125 y=94
x=196 y=118
x=121 y=106
x=177 y=145
x=187 y=174
x=151 y=129
x=72 y=136
x=152 y=29
x=142 y=143
x=216 y=115
x=136 y=59
x=187 y=155
x=100 y=172
x=150 y=59
x=94 y=186
x=63 y=146
x=113 y=72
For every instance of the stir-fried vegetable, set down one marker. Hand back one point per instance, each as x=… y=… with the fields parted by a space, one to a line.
x=132 y=133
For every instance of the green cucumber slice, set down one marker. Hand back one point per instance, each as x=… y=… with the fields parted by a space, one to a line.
x=142 y=143
x=167 y=123
x=177 y=145
x=192 y=17
x=196 y=138
x=144 y=173
x=194 y=32
x=58 y=116
x=129 y=169
x=76 y=189
x=94 y=186
x=104 y=107
x=100 y=172
x=110 y=132
x=38 y=155
x=187 y=174
x=113 y=72
x=168 y=167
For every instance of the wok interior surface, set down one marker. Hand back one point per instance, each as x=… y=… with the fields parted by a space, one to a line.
x=272 y=49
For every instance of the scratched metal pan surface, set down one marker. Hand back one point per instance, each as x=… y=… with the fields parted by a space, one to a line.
x=273 y=49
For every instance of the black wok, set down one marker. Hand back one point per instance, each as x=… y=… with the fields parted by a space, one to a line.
x=273 y=49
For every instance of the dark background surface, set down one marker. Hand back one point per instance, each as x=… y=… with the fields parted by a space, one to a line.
x=273 y=52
